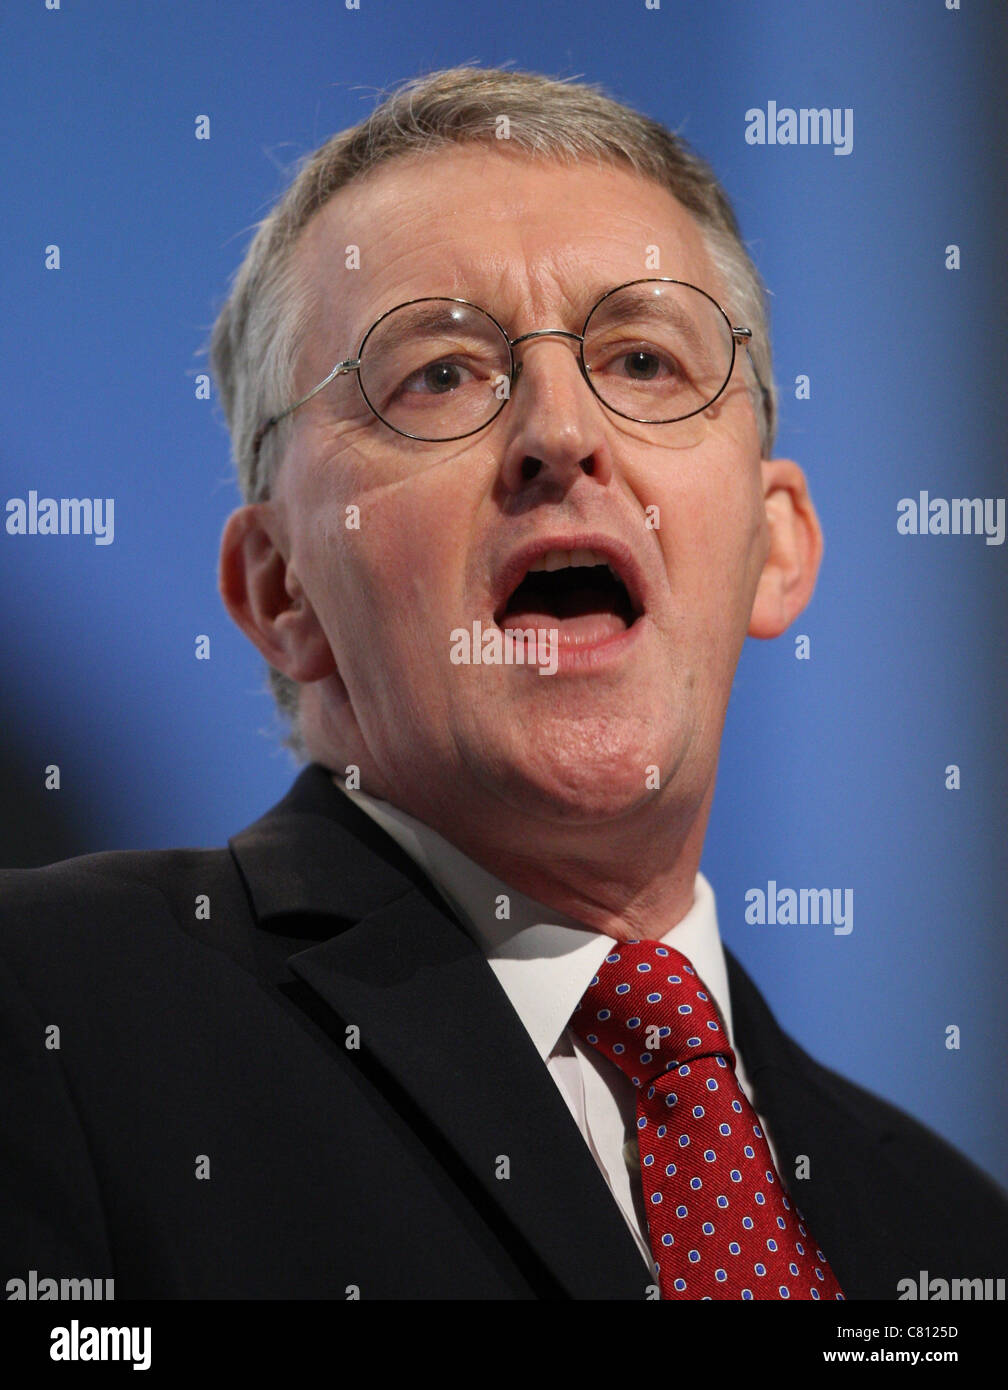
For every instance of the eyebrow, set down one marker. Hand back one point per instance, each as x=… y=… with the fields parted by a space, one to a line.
x=436 y=315
x=644 y=301
x=434 y=312
x=649 y=306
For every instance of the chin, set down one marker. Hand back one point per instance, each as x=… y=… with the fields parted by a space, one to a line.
x=580 y=771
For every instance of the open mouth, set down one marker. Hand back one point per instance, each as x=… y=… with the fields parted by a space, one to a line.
x=577 y=592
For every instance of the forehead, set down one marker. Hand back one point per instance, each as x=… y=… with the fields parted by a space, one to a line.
x=526 y=238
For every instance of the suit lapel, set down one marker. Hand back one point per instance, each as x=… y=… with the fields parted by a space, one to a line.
x=808 y=1113
x=342 y=909
x=447 y=1041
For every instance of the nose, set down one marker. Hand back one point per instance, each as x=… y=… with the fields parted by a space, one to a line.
x=557 y=425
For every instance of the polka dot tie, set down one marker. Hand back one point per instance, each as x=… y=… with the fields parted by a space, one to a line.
x=720 y=1222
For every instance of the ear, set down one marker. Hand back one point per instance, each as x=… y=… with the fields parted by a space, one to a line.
x=264 y=595
x=794 y=552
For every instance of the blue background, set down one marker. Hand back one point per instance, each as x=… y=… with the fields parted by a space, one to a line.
x=833 y=769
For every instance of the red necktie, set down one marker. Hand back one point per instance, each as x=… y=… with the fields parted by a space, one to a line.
x=720 y=1222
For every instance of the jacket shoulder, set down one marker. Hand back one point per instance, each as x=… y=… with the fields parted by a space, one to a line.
x=881 y=1167
x=116 y=901
x=922 y=1157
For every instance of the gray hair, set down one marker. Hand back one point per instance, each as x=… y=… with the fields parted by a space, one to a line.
x=258 y=335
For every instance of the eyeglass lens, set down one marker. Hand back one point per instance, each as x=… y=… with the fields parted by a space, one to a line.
x=654 y=351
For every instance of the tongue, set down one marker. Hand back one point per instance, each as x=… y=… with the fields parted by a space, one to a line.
x=575 y=631
x=580 y=618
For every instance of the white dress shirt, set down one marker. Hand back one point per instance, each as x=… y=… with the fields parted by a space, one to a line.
x=544 y=962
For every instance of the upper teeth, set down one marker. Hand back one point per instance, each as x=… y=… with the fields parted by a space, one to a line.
x=567 y=559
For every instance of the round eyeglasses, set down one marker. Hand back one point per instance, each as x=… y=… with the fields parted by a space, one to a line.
x=437 y=369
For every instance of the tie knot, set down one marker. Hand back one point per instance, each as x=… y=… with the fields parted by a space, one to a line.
x=648 y=1011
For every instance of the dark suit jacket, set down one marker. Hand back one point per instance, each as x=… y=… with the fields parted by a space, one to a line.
x=220 y=1045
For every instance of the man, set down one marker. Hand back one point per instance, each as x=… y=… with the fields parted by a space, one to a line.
x=454 y=1019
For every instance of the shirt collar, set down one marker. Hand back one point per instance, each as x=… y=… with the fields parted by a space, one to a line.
x=543 y=960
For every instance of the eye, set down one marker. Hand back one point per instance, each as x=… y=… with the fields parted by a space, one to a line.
x=639 y=362
x=642 y=365
x=437 y=378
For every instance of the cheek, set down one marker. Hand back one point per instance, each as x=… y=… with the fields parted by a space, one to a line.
x=712 y=535
x=712 y=538
x=384 y=561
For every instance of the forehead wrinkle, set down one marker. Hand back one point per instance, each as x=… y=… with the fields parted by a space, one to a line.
x=517 y=266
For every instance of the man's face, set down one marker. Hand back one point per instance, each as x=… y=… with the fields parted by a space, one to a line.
x=446 y=530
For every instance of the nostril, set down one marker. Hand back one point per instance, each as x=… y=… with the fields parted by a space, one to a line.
x=588 y=465
x=530 y=468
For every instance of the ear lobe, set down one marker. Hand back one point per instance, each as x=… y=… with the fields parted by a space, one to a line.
x=264 y=596
x=795 y=550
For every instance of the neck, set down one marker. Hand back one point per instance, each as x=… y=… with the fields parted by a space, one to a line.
x=629 y=878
